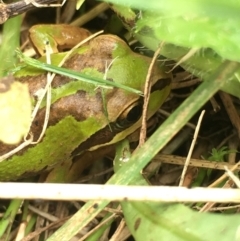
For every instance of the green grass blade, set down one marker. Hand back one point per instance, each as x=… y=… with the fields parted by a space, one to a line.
x=10 y=41
x=9 y=216
x=75 y=75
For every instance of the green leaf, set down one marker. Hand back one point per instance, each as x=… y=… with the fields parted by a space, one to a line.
x=218 y=155
x=10 y=41
x=8 y=218
x=177 y=222
x=196 y=31
x=210 y=27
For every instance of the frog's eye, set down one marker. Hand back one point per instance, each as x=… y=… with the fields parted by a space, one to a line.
x=130 y=115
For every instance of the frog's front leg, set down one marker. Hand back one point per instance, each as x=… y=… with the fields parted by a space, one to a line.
x=58 y=36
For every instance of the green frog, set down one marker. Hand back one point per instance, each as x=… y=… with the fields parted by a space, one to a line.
x=83 y=116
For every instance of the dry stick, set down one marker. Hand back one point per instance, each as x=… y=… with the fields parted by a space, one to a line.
x=43 y=214
x=191 y=148
x=178 y=160
x=13 y=9
x=114 y=215
x=117 y=233
x=228 y=184
x=147 y=90
x=48 y=88
x=233 y=177
x=231 y=110
x=224 y=208
x=220 y=179
x=209 y=205
x=22 y=228
x=17 y=149
x=37 y=232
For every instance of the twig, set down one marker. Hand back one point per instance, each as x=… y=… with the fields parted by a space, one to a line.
x=231 y=110
x=233 y=177
x=147 y=90
x=178 y=160
x=191 y=149
x=37 y=232
x=209 y=205
x=13 y=9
